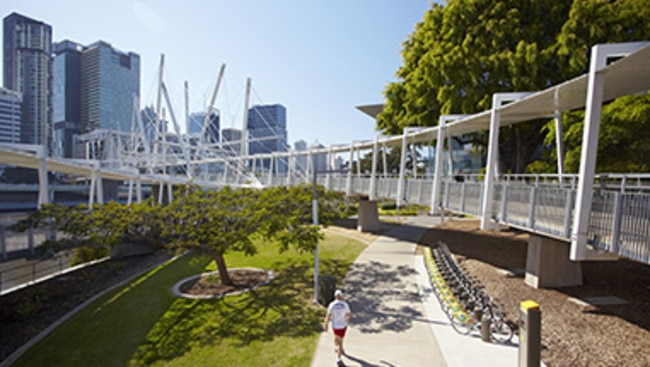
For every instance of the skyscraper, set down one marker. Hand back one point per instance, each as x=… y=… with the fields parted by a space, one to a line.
x=231 y=141
x=148 y=116
x=301 y=161
x=66 y=96
x=320 y=160
x=28 y=70
x=110 y=81
x=10 y=116
x=195 y=126
x=267 y=132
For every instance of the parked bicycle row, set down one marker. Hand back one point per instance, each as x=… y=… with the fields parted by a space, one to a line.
x=463 y=299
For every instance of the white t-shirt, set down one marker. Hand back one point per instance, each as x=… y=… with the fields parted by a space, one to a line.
x=338 y=311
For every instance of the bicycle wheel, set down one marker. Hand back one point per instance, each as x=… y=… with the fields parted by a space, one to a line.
x=501 y=332
x=453 y=308
x=461 y=323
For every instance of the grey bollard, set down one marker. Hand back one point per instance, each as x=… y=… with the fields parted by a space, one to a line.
x=485 y=325
x=485 y=329
x=530 y=334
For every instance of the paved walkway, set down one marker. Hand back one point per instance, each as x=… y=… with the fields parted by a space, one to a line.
x=396 y=320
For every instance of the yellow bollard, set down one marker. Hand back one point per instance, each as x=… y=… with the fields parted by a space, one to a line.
x=530 y=334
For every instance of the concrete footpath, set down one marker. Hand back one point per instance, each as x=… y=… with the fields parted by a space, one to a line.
x=396 y=319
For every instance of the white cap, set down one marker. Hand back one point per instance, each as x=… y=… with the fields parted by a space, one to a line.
x=338 y=293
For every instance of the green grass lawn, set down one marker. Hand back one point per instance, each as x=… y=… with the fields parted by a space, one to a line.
x=143 y=324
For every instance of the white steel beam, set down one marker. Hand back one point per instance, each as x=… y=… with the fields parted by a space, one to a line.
x=498 y=100
x=291 y=161
x=330 y=167
x=437 y=175
x=348 y=182
x=129 y=199
x=100 y=185
x=43 y=182
x=181 y=140
x=593 y=109
x=384 y=160
x=373 y=172
x=401 y=182
x=244 y=130
x=559 y=144
x=138 y=182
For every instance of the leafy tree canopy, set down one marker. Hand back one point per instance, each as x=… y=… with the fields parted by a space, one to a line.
x=211 y=222
x=463 y=52
x=92 y=232
x=622 y=147
x=217 y=222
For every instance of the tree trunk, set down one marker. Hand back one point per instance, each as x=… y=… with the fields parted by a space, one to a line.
x=223 y=270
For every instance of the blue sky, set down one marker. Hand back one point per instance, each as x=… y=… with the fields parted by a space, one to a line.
x=320 y=59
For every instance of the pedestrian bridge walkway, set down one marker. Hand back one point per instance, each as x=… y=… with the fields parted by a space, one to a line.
x=619 y=221
x=592 y=216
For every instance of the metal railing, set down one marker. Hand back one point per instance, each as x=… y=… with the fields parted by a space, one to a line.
x=620 y=216
x=619 y=221
x=20 y=273
x=20 y=242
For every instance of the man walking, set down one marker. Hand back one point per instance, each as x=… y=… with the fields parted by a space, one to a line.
x=338 y=312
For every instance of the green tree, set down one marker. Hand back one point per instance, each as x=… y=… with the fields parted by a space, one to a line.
x=624 y=122
x=217 y=222
x=594 y=22
x=622 y=145
x=393 y=160
x=463 y=52
x=99 y=229
x=211 y=222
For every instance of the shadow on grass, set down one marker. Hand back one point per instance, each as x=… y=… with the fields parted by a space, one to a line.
x=280 y=309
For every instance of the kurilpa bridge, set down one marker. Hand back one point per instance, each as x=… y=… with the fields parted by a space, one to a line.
x=571 y=218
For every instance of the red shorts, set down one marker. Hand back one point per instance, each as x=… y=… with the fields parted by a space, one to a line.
x=340 y=332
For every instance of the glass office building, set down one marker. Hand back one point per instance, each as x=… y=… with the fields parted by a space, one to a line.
x=66 y=96
x=28 y=71
x=231 y=141
x=267 y=132
x=195 y=126
x=10 y=116
x=110 y=81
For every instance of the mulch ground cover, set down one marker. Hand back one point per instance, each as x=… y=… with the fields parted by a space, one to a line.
x=573 y=333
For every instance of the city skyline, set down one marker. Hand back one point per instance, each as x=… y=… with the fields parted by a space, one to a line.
x=320 y=60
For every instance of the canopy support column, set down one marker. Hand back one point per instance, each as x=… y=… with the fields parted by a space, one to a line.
x=498 y=100
x=401 y=182
x=437 y=175
x=372 y=195
x=593 y=109
x=559 y=144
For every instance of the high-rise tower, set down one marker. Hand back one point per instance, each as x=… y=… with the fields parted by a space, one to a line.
x=267 y=132
x=195 y=126
x=67 y=96
x=110 y=81
x=10 y=116
x=28 y=71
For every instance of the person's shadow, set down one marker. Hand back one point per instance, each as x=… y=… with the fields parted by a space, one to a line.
x=364 y=363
